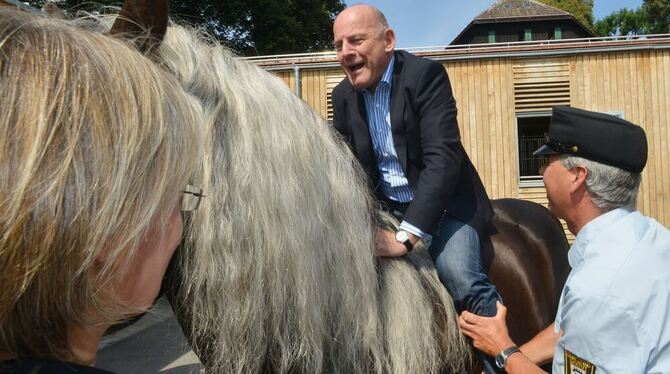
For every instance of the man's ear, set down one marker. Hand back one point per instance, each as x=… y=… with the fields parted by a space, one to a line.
x=579 y=181
x=389 y=40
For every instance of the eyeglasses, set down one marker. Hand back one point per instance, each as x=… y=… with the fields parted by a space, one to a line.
x=190 y=198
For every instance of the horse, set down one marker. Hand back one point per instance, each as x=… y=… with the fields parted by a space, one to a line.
x=277 y=272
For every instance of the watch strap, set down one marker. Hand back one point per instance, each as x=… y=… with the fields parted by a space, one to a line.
x=502 y=357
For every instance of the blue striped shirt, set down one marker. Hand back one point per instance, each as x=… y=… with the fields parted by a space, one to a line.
x=393 y=183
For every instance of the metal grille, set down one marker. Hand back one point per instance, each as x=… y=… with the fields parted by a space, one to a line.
x=331 y=82
x=529 y=165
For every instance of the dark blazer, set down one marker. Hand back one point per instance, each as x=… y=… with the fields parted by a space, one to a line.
x=427 y=142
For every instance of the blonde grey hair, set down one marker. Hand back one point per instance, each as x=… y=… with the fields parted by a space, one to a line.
x=278 y=268
x=609 y=187
x=96 y=144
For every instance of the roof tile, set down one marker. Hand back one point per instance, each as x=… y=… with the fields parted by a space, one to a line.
x=519 y=9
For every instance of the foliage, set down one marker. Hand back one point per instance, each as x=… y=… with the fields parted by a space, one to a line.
x=653 y=17
x=251 y=27
x=581 y=9
x=623 y=22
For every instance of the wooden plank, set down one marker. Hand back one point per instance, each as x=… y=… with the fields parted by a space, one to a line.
x=662 y=109
x=665 y=138
x=641 y=68
x=607 y=87
x=472 y=112
x=655 y=141
x=488 y=127
x=496 y=119
x=511 y=167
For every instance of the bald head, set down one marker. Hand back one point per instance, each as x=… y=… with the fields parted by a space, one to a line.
x=364 y=44
x=367 y=10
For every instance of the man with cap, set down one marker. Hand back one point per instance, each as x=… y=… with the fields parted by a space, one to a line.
x=613 y=316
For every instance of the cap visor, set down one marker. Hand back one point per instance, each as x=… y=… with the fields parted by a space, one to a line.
x=545 y=150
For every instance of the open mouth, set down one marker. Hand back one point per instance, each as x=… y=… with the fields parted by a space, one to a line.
x=356 y=67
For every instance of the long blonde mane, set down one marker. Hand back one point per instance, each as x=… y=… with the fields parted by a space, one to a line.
x=278 y=267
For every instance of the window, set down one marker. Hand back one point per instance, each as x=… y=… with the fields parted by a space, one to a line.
x=492 y=36
x=527 y=35
x=531 y=130
x=556 y=33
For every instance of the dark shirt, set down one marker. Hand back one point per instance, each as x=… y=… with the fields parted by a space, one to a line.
x=29 y=366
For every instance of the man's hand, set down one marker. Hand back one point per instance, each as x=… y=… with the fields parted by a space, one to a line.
x=488 y=334
x=387 y=246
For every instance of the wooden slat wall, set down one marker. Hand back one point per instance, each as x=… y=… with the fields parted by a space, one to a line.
x=635 y=83
x=332 y=79
x=487 y=122
x=315 y=90
x=288 y=77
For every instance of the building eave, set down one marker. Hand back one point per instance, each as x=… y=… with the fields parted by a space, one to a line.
x=554 y=48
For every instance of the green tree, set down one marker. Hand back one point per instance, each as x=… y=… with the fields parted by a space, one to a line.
x=622 y=22
x=656 y=15
x=581 y=9
x=251 y=27
x=652 y=17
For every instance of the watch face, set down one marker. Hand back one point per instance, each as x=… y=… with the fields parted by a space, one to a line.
x=500 y=361
x=401 y=236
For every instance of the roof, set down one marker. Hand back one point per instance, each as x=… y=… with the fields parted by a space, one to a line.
x=520 y=11
x=516 y=9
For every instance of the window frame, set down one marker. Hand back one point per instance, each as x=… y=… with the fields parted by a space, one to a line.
x=527 y=35
x=532 y=180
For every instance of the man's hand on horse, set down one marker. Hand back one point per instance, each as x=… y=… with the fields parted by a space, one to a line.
x=387 y=246
x=488 y=334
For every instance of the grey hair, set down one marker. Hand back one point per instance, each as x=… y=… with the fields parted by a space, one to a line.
x=609 y=187
x=278 y=267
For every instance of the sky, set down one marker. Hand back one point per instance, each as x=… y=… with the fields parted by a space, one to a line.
x=423 y=23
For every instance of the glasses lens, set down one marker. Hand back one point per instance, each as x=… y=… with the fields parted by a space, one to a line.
x=190 y=199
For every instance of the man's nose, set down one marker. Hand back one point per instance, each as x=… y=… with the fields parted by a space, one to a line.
x=346 y=49
x=543 y=168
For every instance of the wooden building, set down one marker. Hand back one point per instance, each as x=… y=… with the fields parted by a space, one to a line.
x=505 y=93
x=521 y=20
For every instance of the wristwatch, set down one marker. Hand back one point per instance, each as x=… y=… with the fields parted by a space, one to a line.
x=501 y=358
x=403 y=237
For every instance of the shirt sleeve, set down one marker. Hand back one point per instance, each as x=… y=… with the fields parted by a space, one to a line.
x=406 y=226
x=600 y=334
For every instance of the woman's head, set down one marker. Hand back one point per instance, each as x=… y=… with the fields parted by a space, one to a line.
x=96 y=147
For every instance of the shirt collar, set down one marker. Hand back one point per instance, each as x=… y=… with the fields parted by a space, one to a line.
x=591 y=230
x=387 y=77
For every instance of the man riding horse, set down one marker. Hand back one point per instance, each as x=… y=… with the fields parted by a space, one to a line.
x=277 y=271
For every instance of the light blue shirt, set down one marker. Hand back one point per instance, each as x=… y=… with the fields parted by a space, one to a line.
x=394 y=184
x=615 y=307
